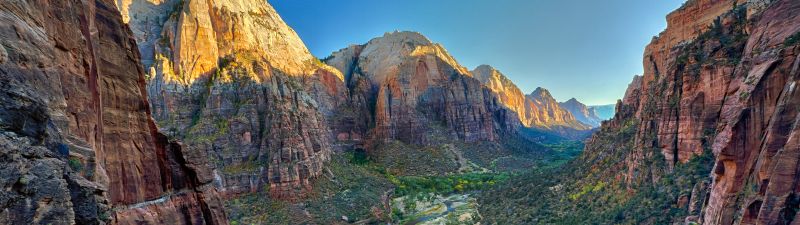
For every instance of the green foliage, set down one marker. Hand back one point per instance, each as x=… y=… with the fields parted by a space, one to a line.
x=588 y=190
x=358 y=157
x=75 y=163
x=744 y=95
x=248 y=166
x=349 y=190
x=792 y=40
x=405 y=159
x=458 y=183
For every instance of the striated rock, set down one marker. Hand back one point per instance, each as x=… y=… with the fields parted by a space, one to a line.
x=231 y=79
x=508 y=92
x=581 y=112
x=413 y=84
x=721 y=79
x=533 y=110
x=77 y=141
x=548 y=112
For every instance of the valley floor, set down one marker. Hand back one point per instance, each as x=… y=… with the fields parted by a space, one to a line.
x=406 y=184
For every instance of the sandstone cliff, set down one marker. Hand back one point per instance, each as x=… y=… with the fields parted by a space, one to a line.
x=411 y=84
x=230 y=78
x=721 y=79
x=538 y=110
x=581 y=112
x=77 y=143
x=708 y=135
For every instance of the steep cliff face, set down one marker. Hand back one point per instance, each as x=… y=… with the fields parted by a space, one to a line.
x=77 y=141
x=230 y=78
x=708 y=134
x=548 y=112
x=581 y=112
x=411 y=83
x=538 y=110
x=729 y=89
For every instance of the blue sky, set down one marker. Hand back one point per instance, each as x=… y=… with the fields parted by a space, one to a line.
x=587 y=49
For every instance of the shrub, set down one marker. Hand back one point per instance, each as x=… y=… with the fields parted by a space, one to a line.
x=75 y=164
x=792 y=40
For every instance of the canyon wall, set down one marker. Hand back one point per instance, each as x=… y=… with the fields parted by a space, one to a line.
x=721 y=79
x=538 y=109
x=414 y=86
x=230 y=78
x=77 y=141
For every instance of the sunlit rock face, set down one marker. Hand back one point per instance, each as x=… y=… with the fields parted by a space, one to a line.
x=547 y=112
x=411 y=84
x=539 y=110
x=722 y=79
x=229 y=77
x=77 y=143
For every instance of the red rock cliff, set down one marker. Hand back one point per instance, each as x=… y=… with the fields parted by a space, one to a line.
x=721 y=78
x=538 y=110
x=230 y=78
x=413 y=84
x=77 y=141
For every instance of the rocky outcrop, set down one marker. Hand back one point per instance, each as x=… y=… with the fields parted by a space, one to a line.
x=230 y=78
x=549 y=113
x=77 y=141
x=538 y=110
x=581 y=112
x=412 y=85
x=686 y=78
x=721 y=79
x=508 y=93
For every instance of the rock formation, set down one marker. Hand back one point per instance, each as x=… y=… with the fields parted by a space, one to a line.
x=412 y=85
x=581 y=112
x=548 y=112
x=538 y=110
x=229 y=77
x=721 y=78
x=77 y=143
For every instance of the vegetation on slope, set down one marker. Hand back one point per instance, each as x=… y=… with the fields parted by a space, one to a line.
x=590 y=189
x=404 y=183
x=622 y=177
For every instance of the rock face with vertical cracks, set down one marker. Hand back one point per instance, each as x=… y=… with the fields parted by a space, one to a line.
x=408 y=83
x=722 y=78
x=77 y=143
x=537 y=110
x=230 y=78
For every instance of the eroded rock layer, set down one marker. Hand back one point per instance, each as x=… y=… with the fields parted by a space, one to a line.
x=721 y=79
x=537 y=110
x=77 y=143
x=410 y=84
x=230 y=78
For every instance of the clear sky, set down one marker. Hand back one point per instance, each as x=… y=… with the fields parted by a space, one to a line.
x=587 y=49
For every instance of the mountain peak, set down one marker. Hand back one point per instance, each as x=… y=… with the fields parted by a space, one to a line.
x=541 y=92
x=484 y=73
x=411 y=37
x=485 y=67
x=573 y=100
x=581 y=112
x=393 y=48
